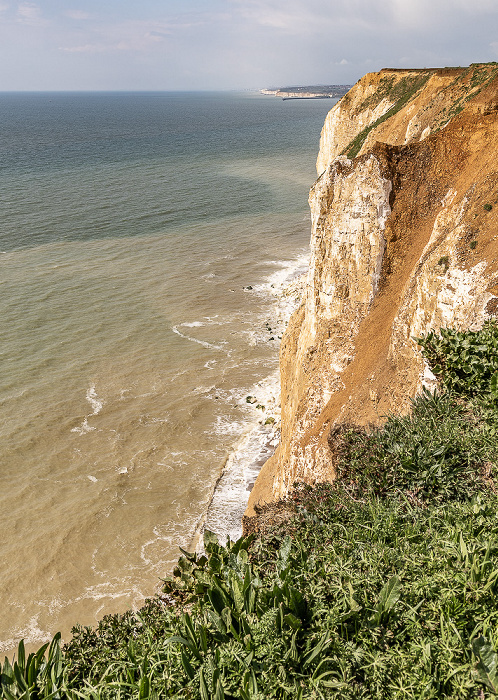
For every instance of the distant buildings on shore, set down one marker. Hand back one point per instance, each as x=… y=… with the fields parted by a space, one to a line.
x=304 y=92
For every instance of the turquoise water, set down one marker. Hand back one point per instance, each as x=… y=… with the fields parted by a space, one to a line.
x=133 y=226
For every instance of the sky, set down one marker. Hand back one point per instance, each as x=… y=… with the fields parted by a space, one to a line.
x=233 y=44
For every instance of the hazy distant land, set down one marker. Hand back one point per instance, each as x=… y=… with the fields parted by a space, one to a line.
x=304 y=92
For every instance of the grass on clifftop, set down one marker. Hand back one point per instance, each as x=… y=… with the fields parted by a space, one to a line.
x=465 y=87
x=400 y=93
x=383 y=584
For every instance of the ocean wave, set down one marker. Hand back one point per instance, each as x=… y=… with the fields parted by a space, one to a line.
x=204 y=343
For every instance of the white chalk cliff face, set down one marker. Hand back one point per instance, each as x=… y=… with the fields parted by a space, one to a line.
x=349 y=208
x=401 y=243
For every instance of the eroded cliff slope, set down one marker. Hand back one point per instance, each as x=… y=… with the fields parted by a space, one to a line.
x=404 y=239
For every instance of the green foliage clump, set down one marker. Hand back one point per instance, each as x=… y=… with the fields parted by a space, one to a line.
x=444 y=261
x=465 y=362
x=36 y=676
x=239 y=637
x=488 y=207
x=435 y=453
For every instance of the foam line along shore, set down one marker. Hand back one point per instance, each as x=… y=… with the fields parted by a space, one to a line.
x=261 y=437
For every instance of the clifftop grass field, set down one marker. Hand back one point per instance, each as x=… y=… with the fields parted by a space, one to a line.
x=381 y=585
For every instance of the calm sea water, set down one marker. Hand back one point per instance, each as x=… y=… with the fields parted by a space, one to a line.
x=142 y=239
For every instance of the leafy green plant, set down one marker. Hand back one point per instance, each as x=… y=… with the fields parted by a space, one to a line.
x=488 y=207
x=437 y=452
x=444 y=262
x=34 y=677
x=487 y=667
x=463 y=361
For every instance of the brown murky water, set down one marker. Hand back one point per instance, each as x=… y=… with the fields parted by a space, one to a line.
x=129 y=343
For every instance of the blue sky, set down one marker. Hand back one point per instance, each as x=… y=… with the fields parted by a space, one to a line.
x=233 y=44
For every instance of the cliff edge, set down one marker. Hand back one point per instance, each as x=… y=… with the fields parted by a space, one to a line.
x=404 y=239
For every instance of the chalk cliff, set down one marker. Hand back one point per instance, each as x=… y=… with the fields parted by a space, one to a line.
x=404 y=239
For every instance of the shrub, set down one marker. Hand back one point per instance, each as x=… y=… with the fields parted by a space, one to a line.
x=434 y=453
x=444 y=262
x=465 y=362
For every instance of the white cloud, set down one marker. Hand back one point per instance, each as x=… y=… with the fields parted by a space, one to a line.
x=477 y=5
x=288 y=16
x=29 y=13
x=84 y=48
x=322 y=16
x=127 y=36
x=423 y=13
x=235 y=43
x=77 y=14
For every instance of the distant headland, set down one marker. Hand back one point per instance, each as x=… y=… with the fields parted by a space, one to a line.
x=308 y=92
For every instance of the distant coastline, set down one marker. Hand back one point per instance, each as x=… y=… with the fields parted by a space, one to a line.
x=308 y=97
x=307 y=92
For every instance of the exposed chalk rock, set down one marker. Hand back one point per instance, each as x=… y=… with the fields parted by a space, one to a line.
x=391 y=256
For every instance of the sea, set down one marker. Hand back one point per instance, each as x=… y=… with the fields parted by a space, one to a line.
x=146 y=244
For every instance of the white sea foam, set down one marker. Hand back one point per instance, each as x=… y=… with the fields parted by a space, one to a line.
x=31 y=633
x=195 y=340
x=230 y=496
x=262 y=430
x=94 y=401
x=203 y=389
x=97 y=404
x=83 y=428
x=224 y=426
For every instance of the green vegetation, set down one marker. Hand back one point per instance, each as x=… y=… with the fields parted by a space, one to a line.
x=488 y=207
x=466 y=362
x=382 y=585
x=473 y=245
x=401 y=93
x=468 y=85
x=444 y=262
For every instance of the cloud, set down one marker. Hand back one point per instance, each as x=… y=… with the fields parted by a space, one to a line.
x=322 y=16
x=477 y=5
x=77 y=14
x=290 y=16
x=29 y=13
x=84 y=48
x=234 y=43
x=126 y=36
x=424 y=13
